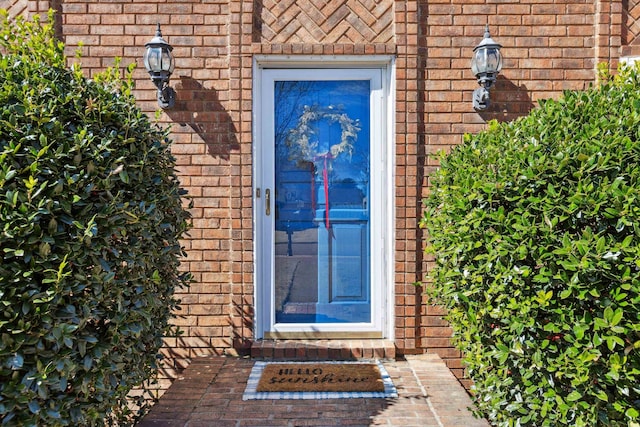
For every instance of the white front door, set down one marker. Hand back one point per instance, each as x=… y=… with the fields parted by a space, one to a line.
x=321 y=202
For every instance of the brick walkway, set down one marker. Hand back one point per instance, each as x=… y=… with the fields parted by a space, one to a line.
x=209 y=394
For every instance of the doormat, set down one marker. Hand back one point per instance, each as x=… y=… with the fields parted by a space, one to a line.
x=319 y=380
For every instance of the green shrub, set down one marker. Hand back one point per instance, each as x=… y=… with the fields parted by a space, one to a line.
x=90 y=217
x=535 y=228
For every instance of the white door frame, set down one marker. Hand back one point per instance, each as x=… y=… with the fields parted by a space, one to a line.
x=382 y=225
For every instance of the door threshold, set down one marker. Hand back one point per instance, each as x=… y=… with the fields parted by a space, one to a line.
x=314 y=335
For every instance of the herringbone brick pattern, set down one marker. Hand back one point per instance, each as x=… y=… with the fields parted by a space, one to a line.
x=631 y=22
x=345 y=21
x=15 y=8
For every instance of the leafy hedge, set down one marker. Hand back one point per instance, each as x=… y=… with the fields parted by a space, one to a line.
x=90 y=217
x=535 y=227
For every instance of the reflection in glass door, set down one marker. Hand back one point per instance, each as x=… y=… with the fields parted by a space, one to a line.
x=322 y=190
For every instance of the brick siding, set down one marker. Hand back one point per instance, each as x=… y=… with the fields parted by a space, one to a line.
x=548 y=46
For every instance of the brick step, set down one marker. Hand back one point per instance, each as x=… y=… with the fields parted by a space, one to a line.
x=323 y=349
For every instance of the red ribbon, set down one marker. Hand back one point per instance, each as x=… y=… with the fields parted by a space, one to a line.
x=325 y=178
x=325 y=182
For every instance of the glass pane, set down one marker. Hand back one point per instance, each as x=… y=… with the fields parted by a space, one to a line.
x=321 y=209
x=152 y=59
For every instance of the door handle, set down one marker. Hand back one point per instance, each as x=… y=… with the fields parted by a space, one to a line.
x=267 y=196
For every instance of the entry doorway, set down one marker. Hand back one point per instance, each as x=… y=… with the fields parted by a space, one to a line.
x=322 y=202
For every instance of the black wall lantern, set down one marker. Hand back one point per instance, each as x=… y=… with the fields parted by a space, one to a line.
x=159 y=63
x=485 y=64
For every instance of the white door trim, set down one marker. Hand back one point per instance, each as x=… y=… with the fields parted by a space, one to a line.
x=383 y=317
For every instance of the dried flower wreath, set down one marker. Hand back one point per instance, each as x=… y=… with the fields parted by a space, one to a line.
x=300 y=139
x=304 y=149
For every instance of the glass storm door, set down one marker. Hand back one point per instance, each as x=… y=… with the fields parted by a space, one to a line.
x=317 y=218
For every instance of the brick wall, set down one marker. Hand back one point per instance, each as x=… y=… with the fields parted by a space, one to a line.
x=548 y=46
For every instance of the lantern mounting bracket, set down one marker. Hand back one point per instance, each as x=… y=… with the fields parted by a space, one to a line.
x=166 y=97
x=481 y=99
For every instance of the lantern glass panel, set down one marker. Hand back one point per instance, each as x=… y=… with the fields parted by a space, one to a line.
x=479 y=62
x=474 y=63
x=153 y=59
x=167 y=61
x=494 y=60
x=486 y=60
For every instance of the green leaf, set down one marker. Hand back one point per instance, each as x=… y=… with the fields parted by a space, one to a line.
x=82 y=347
x=124 y=176
x=617 y=317
x=573 y=396
x=600 y=394
x=608 y=314
x=612 y=341
x=579 y=330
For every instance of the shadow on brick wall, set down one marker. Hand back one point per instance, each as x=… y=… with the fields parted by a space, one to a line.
x=420 y=186
x=179 y=351
x=57 y=19
x=508 y=101
x=200 y=109
x=256 y=31
x=241 y=323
